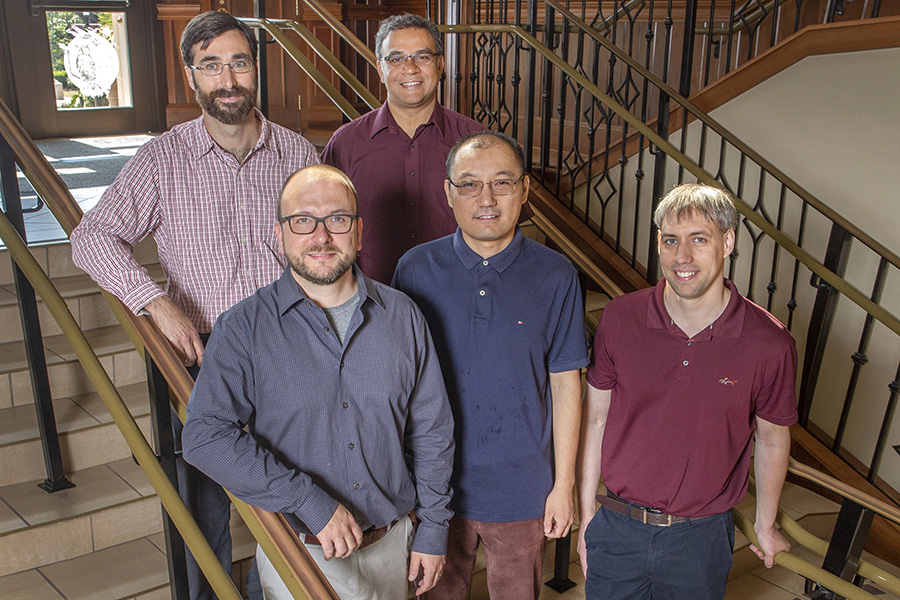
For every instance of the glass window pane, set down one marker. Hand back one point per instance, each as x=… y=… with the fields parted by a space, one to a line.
x=89 y=51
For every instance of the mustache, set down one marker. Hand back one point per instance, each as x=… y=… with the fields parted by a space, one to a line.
x=323 y=248
x=237 y=90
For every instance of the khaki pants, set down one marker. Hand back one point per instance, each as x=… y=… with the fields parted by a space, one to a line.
x=377 y=572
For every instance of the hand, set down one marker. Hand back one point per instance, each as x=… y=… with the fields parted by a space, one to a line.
x=559 y=511
x=431 y=565
x=341 y=535
x=178 y=329
x=581 y=546
x=771 y=542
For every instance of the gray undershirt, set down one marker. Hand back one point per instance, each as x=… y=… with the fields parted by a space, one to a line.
x=339 y=316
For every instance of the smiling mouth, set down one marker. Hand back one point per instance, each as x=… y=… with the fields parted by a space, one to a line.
x=685 y=274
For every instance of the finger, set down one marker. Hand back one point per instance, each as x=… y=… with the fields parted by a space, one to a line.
x=414 y=564
x=548 y=523
x=327 y=550
x=198 y=350
x=429 y=579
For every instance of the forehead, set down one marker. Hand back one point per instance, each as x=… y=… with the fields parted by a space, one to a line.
x=496 y=158
x=407 y=40
x=231 y=43
x=317 y=195
x=689 y=221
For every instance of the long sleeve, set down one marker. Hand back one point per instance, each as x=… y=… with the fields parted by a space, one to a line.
x=215 y=441
x=125 y=215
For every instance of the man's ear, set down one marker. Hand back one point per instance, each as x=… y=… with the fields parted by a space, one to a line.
x=279 y=235
x=729 y=242
x=447 y=191
x=190 y=77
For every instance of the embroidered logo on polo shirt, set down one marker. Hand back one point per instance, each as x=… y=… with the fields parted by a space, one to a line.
x=726 y=381
x=519 y=323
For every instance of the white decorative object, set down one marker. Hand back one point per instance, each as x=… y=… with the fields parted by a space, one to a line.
x=91 y=61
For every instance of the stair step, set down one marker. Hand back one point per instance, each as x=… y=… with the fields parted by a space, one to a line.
x=87 y=435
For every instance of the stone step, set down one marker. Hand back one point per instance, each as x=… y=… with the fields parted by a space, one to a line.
x=112 y=506
x=88 y=437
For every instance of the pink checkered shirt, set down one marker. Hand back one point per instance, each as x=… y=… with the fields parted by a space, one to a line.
x=212 y=218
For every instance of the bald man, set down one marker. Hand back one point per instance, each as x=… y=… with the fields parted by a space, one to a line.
x=350 y=430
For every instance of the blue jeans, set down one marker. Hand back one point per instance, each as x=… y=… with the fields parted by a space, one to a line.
x=629 y=560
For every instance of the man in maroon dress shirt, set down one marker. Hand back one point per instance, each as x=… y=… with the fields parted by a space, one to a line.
x=395 y=155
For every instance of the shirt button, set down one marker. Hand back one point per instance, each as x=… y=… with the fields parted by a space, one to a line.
x=685 y=363
x=412 y=172
x=689 y=343
x=351 y=446
x=355 y=486
x=342 y=364
x=327 y=329
x=484 y=262
x=481 y=293
x=346 y=405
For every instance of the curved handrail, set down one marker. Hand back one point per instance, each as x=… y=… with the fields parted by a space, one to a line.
x=853 y=294
x=305 y=577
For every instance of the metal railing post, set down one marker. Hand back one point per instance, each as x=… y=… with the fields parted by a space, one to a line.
x=164 y=442
x=31 y=330
x=259 y=11
x=846 y=547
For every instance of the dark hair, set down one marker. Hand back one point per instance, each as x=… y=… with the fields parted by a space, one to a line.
x=486 y=139
x=206 y=27
x=716 y=205
x=407 y=21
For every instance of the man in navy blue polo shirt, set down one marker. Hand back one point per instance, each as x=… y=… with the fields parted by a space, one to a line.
x=508 y=325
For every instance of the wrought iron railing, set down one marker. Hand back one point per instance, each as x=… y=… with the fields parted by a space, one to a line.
x=609 y=137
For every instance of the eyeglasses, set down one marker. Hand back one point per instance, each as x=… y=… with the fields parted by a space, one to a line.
x=306 y=224
x=421 y=59
x=498 y=187
x=212 y=68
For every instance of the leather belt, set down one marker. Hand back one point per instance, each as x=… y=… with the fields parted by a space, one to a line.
x=644 y=514
x=370 y=535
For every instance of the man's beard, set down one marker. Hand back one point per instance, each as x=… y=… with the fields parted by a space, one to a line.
x=327 y=278
x=229 y=114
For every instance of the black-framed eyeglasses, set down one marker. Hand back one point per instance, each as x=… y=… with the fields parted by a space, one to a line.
x=498 y=187
x=421 y=59
x=211 y=68
x=305 y=224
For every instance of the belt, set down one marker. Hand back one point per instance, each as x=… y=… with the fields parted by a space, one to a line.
x=370 y=535
x=644 y=514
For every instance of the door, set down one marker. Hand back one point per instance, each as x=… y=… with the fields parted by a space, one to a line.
x=84 y=67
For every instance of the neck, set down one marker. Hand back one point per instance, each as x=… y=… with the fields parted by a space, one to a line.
x=237 y=139
x=487 y=249
x=409 y=119
x=693 y=315
x=329 y=296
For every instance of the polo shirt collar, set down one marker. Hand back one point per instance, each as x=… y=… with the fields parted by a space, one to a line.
x=730 y=323
x=288 y=292
x=201 y=142
x=470 y=259
x=385 y=120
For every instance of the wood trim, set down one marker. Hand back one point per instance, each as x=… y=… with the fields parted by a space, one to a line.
x=177 y=12
x=815 y=40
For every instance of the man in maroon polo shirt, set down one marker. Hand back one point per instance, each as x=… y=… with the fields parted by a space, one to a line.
x=395 y=155
x=682 y=378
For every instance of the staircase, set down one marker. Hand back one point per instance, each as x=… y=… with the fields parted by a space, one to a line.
x=102 y=538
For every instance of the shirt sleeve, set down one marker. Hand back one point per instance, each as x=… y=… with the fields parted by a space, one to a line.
x=601 y=372
x=568 y=350
x=127 y=212
x=428 y=446
x=776 y=400
x=215 y=441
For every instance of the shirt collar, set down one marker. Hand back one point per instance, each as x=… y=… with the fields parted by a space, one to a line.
x=288 y=292
x=201 y=142
x=730 y=323
x=500 y=262
x=384 y=119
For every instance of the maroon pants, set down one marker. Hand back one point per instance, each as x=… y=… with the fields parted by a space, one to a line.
x=514 y=556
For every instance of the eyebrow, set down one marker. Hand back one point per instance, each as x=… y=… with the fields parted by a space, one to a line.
x=216 y=58
x=498 y=174
x=393 y=52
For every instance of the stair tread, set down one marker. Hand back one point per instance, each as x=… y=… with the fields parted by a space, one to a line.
x=57 y=350
x=75 y=285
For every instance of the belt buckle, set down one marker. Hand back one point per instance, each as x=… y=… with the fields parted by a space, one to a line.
x=669 y=520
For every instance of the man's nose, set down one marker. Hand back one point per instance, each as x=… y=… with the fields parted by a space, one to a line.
x=321 y=233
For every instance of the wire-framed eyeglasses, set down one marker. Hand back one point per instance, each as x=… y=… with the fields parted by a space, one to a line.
x=305 y=224
x=211 y=68
x=498 y=187
x=421 y=59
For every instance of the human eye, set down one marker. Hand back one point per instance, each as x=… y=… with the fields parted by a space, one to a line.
x=468 y=185
x=211 y=67
x=241 y=64
x=301 y=220
x=699 y=239
x=395 y=60
x=423 y=58
x=502 y=185
x=339 y=219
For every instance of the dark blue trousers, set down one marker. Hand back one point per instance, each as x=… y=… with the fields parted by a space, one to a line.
x=629 y=560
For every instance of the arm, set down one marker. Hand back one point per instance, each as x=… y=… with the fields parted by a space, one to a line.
x=178 y=329
x=559 y=510
x=773 y=446
x=222 y=403
x=593 y=425
x=429 y=445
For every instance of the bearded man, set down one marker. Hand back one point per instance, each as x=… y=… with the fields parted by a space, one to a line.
x=321 y=398
x=207 y=191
